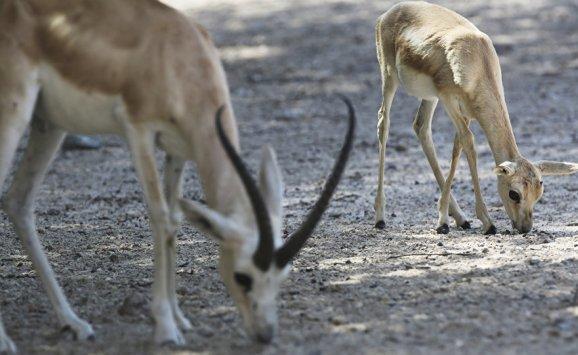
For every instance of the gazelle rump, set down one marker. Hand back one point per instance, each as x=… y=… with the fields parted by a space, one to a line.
x=438 y=55
x=139 y=69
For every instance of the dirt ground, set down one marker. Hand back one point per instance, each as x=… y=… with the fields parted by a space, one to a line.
x=354 y=289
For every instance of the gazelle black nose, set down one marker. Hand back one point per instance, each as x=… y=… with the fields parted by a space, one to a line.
x=266 y=334
x=523 y=228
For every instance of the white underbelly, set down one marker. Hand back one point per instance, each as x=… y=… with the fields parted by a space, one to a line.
x=416 y=83
x=76 y=110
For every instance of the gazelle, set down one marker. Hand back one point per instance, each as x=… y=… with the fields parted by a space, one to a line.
x=140 y=69
x=436 y=54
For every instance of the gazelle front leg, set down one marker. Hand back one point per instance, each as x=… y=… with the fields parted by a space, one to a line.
x=468 y=143
x=141 y=142
x=444 y=203
x=43 y=144
x=422 y=128
x=173 y=189
x=388 y=90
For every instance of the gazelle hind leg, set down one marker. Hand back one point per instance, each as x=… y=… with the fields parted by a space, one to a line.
x=468 y=144
x=6 y=344
x=443 y=223
x=43 y=144
x=389 y=86
x=422 y=128
x=173 y=189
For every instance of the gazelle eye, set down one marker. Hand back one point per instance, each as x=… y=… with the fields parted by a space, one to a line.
x=244 y=280
x=515 y=196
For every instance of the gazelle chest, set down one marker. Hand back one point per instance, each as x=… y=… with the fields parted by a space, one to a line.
x=76 y=110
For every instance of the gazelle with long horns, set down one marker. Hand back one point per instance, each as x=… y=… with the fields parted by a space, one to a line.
x=140 y=69
x=436 y=54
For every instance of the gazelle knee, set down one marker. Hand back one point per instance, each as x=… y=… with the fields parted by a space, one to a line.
x=420 y=129
x=15 y=208
x=467 y=139
x=382 y=126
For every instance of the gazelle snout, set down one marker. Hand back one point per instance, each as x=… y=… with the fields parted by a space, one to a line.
x=523 y=224
x=261 y=324
x=265 y=333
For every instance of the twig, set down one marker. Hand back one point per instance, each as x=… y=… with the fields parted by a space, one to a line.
x=18 y=276
x=429 y=254
x=13 y=258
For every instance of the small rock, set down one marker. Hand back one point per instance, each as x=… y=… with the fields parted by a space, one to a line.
x=53 y=212
x=338 y=320
x=133 y=305
x=534 y=260
x=335 y=288
x=290 y=114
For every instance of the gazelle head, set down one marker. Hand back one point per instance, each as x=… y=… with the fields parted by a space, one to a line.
x=254 y=260
x=520 y=186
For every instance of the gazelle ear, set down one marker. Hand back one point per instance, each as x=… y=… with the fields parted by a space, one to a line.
x=507 y=168
x=220 y=228
x=556 y=168
x=271 y=182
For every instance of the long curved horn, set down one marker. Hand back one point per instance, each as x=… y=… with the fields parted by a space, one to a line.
x=296 y=241
x=264 y=254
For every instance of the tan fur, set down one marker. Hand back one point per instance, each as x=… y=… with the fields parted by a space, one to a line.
x=156 y=76
x=437 y=54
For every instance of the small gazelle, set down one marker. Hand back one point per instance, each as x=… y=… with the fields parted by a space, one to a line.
x=436 y=54
x=139 y=69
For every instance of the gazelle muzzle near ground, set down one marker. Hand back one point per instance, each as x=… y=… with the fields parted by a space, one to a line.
x=438 y=55
x=139 y=69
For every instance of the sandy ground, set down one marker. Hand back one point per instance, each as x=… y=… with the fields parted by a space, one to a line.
x=354 y=289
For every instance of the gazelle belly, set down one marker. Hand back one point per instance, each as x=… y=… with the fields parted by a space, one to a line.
x=76 y=110
x=416 y=83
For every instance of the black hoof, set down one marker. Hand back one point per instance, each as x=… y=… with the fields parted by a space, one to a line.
x=491 y=231
x=380 y=225
x=466 y=225
x=168 y=344
x=68 y=332
x=443 y=229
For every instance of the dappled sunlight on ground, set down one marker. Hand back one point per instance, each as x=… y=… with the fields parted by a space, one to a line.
x=353 y=288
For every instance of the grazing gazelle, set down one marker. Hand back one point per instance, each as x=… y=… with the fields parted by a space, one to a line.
x=436 y=54
x=140 y=69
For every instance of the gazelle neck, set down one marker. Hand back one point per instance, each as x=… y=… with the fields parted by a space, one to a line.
x=222 y=187
x=494 y=119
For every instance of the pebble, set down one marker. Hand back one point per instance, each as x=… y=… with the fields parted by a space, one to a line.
x=132 y=305
x=338 y=320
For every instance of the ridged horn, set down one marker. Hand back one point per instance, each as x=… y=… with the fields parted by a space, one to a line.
x=264 y=254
